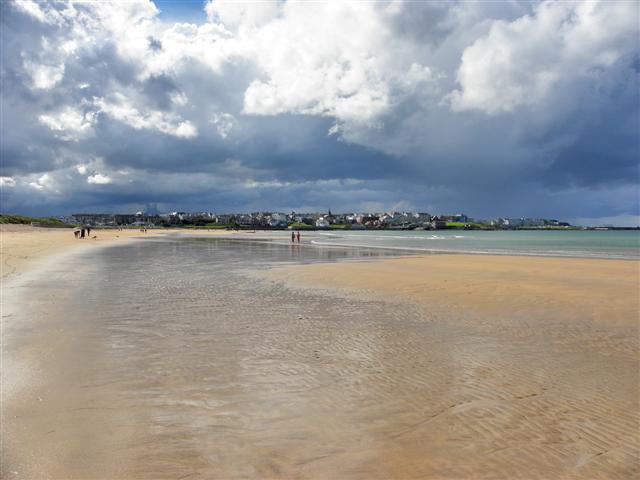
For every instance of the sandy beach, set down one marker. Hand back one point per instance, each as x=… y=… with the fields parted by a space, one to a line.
x=21 y=246
x=586 y=290
x=207 y=358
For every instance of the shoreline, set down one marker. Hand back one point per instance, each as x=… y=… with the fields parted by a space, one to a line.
x=22 y=246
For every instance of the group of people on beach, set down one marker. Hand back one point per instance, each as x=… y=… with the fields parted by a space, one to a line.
x=295 y=236
x=80 y=232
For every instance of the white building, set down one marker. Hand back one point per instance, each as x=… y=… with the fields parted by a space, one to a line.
x=322 y=223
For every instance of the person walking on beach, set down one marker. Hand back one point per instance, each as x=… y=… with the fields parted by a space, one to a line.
x=88 y=231
x=82 y=232
x=298 y=237
x=293 y=237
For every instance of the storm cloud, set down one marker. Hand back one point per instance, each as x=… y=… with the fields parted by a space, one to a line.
x=496 y=108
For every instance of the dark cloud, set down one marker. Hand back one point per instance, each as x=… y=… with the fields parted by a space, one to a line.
x=120 y=119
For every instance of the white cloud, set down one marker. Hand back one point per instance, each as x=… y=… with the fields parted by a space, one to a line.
x=179 y=99
x=45 y=182
x=184 y=129
x=520 y=62
x=69 y=124
x=84 y=25
x=236 y=14
x=44 y=76
x=184 y=45
x=81 y=169
x=98 y=179
x=121 y=108
x=46 y=64
x=31 y=8
x=224 y=123
x=7 y=182
x=348 y=66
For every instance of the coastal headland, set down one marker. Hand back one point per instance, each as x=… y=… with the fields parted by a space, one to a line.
x=181 y=357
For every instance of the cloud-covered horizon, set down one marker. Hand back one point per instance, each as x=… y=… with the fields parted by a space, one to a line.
x=511 y=109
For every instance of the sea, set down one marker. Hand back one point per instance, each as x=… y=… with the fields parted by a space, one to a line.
x=614 y=244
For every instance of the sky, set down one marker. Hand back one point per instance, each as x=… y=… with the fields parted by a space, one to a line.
x=506 y=108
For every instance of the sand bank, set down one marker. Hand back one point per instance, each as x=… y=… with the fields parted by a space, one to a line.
x=604 y=291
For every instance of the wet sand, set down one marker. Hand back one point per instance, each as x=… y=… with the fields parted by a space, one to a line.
x=176 y=358
x=22 y=246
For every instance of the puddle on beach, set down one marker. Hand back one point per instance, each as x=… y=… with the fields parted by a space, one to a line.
x=168 y=358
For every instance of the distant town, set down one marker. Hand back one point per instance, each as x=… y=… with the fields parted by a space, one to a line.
x=314 y=221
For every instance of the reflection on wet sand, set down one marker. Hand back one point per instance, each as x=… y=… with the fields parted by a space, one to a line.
x=169 y=359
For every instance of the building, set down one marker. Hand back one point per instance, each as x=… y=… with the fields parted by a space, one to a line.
x=244 y=220
x=438 y=222
x=322 y=222
x=115 y=219
x=278 y=220
x=94 y=219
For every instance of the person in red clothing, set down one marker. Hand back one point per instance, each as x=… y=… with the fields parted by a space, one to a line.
x=298 y=237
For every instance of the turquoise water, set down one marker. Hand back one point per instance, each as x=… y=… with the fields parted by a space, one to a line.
x=622 y=244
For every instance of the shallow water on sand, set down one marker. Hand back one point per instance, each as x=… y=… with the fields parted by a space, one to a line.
x=168 y=358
